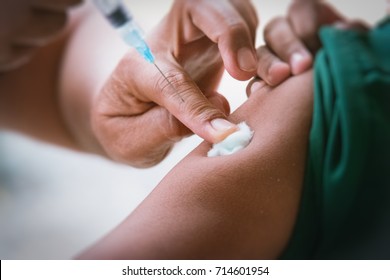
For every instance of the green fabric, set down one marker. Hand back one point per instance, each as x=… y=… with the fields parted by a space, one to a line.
x=345 y=207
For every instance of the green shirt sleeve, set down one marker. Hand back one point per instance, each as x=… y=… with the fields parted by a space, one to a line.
x=345 y=204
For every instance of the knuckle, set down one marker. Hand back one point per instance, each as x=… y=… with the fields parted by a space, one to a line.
x=201 y=110
x=281 y=38
x=234 y=28
x=289 y=45
x=192 y=103
x=173 y=85
x=197 y=107
x=272 y=27
x=262 y=52
x=236 y=25
x=306 y=33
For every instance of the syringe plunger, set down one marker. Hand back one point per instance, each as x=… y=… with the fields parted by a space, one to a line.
x=114 y=11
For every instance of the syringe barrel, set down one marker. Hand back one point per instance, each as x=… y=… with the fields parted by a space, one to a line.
x=121 y=19
x=132 y=35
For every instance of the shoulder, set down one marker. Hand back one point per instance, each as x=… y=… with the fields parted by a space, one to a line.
x=26 y=25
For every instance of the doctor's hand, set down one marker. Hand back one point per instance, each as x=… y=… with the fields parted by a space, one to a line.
x=292 y=41
x=139 y=115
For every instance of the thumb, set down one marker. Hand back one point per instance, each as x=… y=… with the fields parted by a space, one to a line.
x=178 y=93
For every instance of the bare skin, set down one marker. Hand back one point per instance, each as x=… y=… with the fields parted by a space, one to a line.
x=28 y=102
x=240 y=206
x=292 y=41
x=77 y=94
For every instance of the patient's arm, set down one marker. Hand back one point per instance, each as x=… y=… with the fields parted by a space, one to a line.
x=238 y=206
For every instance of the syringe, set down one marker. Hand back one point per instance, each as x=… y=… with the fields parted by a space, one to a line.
x=121 y=19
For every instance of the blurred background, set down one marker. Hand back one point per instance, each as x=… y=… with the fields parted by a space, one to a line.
x=55 y=202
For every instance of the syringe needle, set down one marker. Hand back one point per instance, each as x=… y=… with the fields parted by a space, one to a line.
x=121 y=19
x=166 y=79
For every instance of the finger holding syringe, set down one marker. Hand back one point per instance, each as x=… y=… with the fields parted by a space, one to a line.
x=206 y=116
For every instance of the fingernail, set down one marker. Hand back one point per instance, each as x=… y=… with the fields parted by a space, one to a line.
x=256 y=86
x=299 y=63
x=221 y=128
x=278 y=72
x=341 y=25
x=247 y=60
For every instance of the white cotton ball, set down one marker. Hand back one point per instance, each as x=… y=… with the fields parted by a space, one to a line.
x=233 y=143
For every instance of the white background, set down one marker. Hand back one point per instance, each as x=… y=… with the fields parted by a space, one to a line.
x=278 y=270
x=54 y=203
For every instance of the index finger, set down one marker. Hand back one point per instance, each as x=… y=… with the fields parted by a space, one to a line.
x=282 y=40
x=232 y=28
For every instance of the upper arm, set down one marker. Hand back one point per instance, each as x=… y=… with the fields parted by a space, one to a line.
x=238 y=206
x=29 y=86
